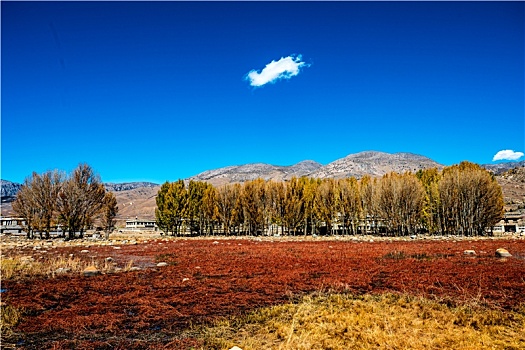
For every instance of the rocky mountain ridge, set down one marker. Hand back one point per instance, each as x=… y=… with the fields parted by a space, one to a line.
x=8 y=190
x=138 y=199
x=500 y=168
x=248 y=172
x=359 y=164
x=374 y=164
x=126 y=186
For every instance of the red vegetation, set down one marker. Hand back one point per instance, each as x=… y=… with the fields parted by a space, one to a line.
x=205 y=279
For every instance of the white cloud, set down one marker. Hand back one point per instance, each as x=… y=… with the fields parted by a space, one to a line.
x=507 y=154
x=285 y=68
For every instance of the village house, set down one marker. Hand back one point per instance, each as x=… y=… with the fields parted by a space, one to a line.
x=9 y=225
x=512 y=222
x=141 y=225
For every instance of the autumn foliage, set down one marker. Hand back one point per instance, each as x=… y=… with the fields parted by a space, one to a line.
x=73 y=203
x=462 y=199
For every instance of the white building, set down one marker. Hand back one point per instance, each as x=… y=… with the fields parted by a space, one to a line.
x=513 y=222
x=141 y=225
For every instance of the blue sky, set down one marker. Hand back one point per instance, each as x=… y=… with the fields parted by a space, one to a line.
x=156 y=91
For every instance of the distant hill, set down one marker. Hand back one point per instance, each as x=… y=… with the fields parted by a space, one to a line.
x=126 y=186
x=375 y=164
x=138 y=202
x=247 y=172
x=8 y=190
x=359 y=164
x=512 y=184
x=500 y=168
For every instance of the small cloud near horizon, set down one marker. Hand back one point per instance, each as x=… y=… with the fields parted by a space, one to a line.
x=507 y=154
x=285 y=68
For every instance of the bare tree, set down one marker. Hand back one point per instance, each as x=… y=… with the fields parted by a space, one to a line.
x=45 y=189
x=210 y=212
x=349 y=203
x=369 y=189
x=294 y=211
x=325 y=202
x=80 y=199
x=400 y=202
x=254 y=205
x=36 y=202
x=276 y=203
x=25 y=208
x=109 y=213
x=471 y=200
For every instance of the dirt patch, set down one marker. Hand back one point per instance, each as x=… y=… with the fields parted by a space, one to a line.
x=205 y=279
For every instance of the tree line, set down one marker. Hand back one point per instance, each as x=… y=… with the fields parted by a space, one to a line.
x=74 y=202
x=462 y=199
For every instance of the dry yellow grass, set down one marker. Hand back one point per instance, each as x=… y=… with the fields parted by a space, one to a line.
x=16 y=267
x=9 y=318
x=370 y=322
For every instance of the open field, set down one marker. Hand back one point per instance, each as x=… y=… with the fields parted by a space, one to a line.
x=135 y=304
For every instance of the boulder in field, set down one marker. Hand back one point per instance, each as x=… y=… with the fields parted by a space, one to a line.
x=161 y=264
x=469 y=252
x=90 y=271
x=503 y=253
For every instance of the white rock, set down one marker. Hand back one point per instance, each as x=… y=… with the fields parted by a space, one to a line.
x=469 y=252
x=161 y=264
x=235 y=348
x=62 y=270
x=84 y=251
x=503 y=253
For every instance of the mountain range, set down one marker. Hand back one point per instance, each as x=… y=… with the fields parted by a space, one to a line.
x=138 y=198
x=357 y=165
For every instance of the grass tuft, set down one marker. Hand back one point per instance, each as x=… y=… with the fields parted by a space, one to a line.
x=20 y=267
x=10 y=317
x=341 y=321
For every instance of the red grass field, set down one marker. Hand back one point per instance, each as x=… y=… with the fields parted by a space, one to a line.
x=206 y=279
